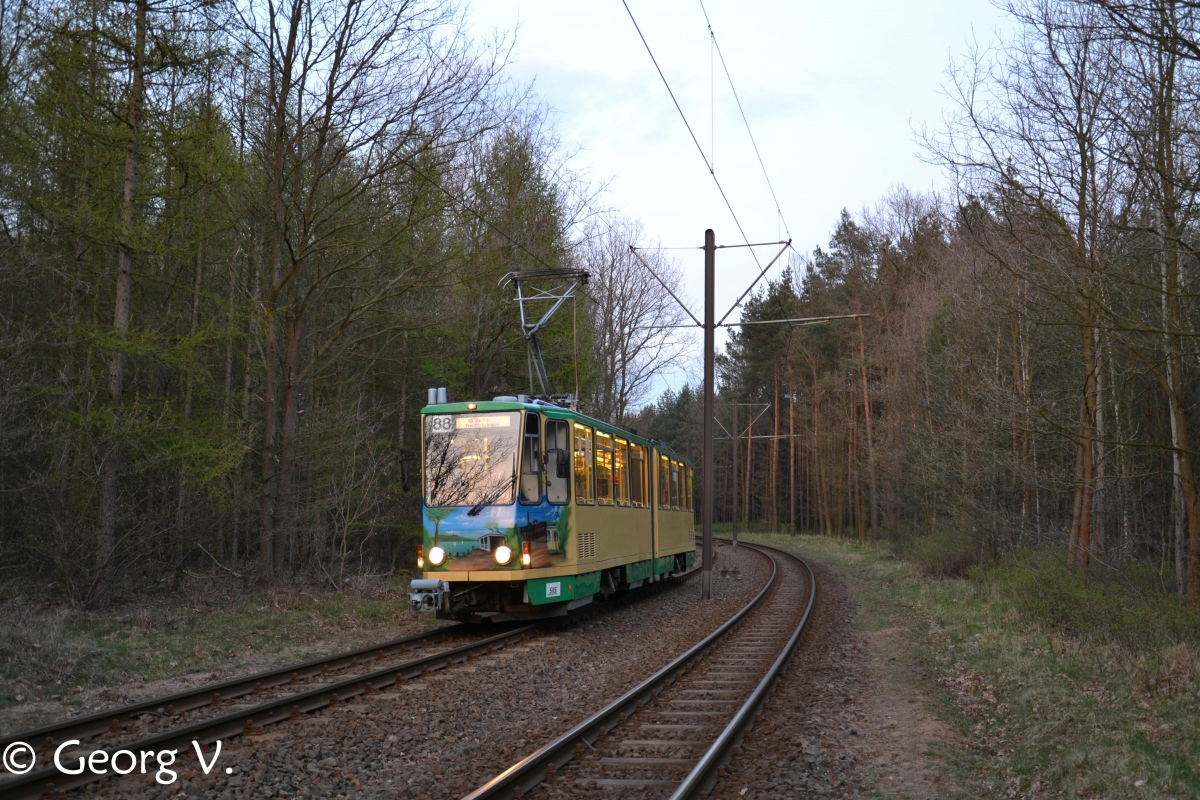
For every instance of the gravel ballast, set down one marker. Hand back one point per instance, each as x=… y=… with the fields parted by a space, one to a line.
x=847 y=719
x=442 y=735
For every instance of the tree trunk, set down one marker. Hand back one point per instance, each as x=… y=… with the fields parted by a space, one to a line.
x=228 y=405
x=1101 y=500
x=107 y=516
x=749 y=471
x=281 y=89
x=737 y=462
x=270 y=435
x=285 y=528
x=791 y=453
x=1083 y=552
x=774 y=510
x=1185 y=474
x=872 y=473
x=181 y=516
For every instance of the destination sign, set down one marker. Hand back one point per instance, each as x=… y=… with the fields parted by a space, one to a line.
x=483 y=421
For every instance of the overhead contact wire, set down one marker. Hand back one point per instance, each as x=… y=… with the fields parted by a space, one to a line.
x=691 y=133
x=745 y=120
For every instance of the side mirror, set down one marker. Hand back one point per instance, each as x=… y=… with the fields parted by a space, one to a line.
x=560 y=461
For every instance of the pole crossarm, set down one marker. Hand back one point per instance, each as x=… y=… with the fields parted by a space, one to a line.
x=761 y=436
x=794 y=322
x=674 y=297
x=788 y=243
x=798 y=321
x=765 y=408
x=732 y=308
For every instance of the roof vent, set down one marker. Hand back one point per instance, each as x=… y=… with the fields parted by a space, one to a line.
x=504 y=398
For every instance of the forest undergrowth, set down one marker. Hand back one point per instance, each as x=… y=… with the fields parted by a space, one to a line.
x=1060 y=685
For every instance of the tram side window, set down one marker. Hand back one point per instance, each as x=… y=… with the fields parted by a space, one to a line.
x=583 y=464
x=637 y=483
x=604 y=468
x=558 y=445
x=691 y=497
x=664 y=481
x=676 y=500
x=531 y=460
x=621 y=473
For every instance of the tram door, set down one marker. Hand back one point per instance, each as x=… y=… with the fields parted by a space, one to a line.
x=558 y=475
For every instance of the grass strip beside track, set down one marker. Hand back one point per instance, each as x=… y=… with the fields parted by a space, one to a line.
x=1044 y=712
x=51 y=655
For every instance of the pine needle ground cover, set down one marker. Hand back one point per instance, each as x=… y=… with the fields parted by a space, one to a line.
x=1053 y=691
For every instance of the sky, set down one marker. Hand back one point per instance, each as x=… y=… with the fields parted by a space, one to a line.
x=836 y=94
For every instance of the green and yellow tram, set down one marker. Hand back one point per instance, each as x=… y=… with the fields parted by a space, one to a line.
x=531 y=509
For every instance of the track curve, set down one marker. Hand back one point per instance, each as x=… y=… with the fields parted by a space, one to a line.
x=274 y=696
x=671 y=735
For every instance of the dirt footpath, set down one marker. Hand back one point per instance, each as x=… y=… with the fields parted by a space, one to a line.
x=854 y=716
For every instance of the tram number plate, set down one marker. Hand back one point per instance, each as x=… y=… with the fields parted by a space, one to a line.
x=554 y=589
x=441 y=424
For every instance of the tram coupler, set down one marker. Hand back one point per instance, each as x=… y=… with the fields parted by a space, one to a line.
x=428 y=594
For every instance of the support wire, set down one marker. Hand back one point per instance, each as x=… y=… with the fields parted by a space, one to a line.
x=699 y=148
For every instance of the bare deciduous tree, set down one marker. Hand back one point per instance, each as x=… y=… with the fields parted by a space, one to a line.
x=637 y=327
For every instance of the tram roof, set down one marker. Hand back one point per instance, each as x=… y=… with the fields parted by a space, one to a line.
x=554 y=411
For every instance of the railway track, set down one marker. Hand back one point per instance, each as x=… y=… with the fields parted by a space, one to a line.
x=115 y=719
x=247 y=704
x=673 y=734
x=249 y=717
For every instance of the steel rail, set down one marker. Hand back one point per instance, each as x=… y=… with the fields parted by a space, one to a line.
x=250 y=720
x=189 y=699
x=533 y=769
x=704 y=774
x=99 y=722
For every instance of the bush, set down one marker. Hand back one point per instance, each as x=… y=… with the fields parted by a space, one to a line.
x=1126 y=607
x=943 y=554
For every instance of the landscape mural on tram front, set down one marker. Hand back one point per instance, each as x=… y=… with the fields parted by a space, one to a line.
x=470 y=541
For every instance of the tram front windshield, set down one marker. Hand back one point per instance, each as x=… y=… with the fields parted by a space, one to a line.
x=471 y=459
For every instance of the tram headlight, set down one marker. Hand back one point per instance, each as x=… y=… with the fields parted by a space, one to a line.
x=420 y=556
x=503 y=554
x=526 y=554
x=436 y=556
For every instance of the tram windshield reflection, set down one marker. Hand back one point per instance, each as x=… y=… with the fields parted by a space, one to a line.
x=471 y=459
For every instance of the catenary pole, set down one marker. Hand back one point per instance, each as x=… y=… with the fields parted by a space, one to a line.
x=710 y=326
x=710 y=258
x=737 y=455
